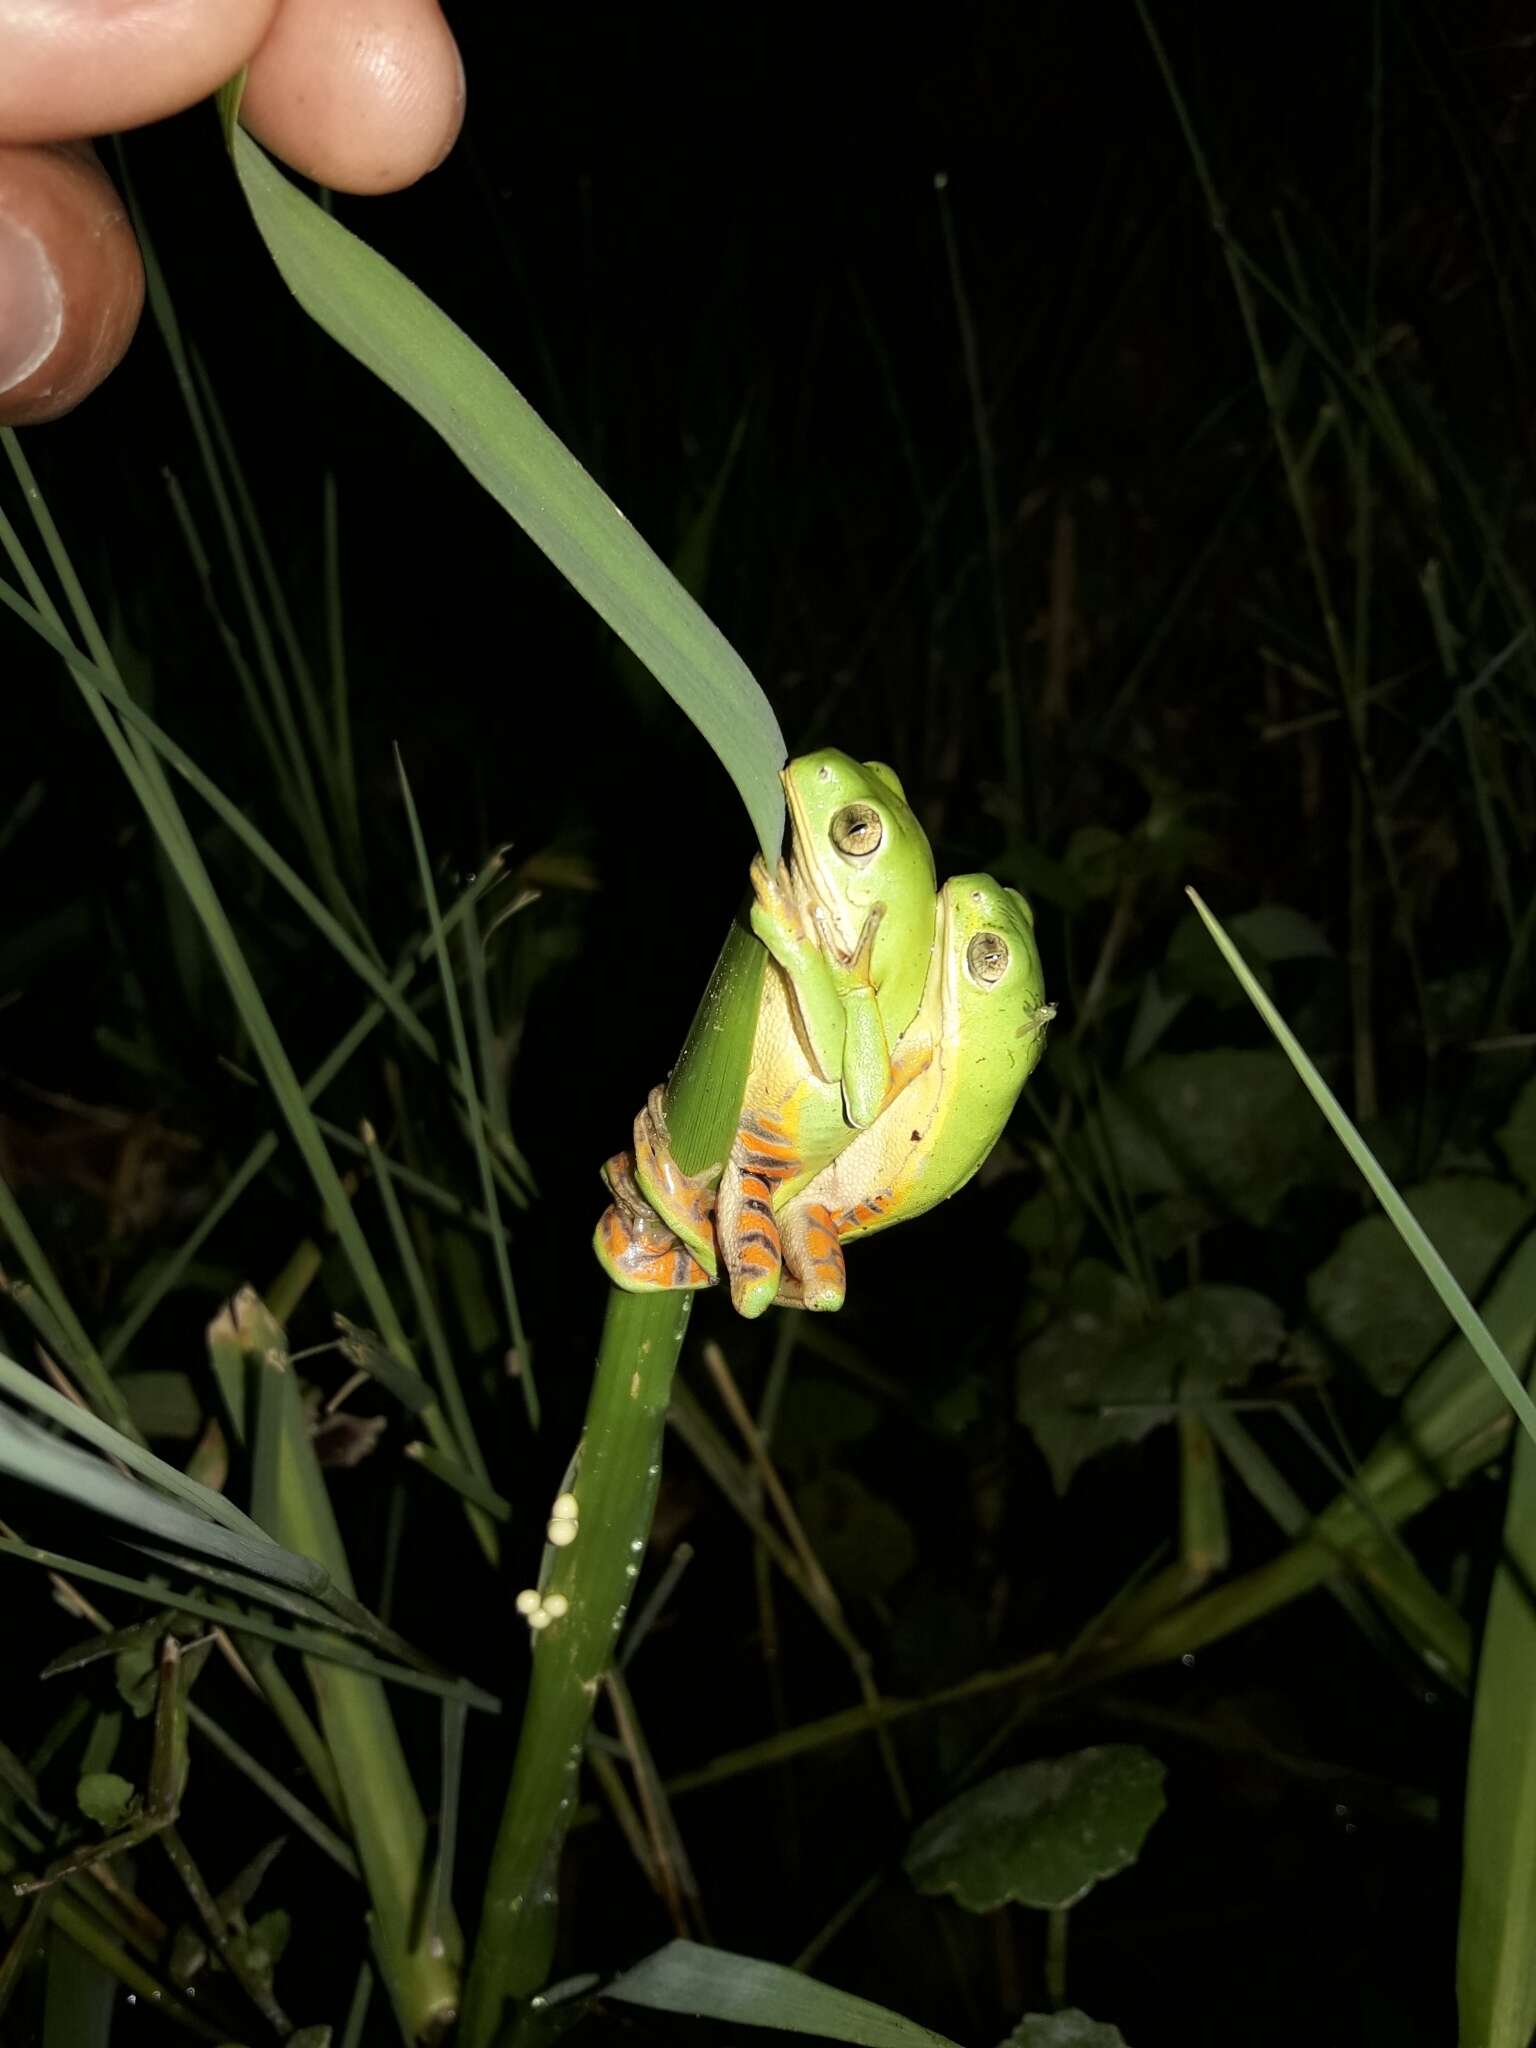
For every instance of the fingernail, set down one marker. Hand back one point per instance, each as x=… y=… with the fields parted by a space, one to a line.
x=31 y=304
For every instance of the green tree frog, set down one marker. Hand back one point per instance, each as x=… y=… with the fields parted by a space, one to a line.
x=959 y=1069
x=978 y=1036
x=849 y=923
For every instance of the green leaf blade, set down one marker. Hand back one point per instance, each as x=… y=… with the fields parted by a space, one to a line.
x=714 y=1984
x=393 y=329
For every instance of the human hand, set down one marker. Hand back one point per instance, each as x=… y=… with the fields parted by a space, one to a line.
x=362 y=95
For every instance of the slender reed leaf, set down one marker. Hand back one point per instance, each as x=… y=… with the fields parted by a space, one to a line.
x=77 y=1351
x=1408 y=1227
x=428 y=1321
x=261 y=1153
x=381 y=318
x=471 y=1095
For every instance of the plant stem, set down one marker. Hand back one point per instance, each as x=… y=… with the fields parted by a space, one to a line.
x=615 y=1489
x=384 y=1813
x=1056 y=1956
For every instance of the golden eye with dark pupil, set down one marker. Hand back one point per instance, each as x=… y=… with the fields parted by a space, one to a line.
x=987 y=957
x=857 y=830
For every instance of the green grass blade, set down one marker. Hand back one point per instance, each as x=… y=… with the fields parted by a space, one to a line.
x=293 y=1809
x=428 y=1321
x=714 y=1984
x=360 y=959
x=343 y=766
x=206 y=1504
x=38 y=1459
x=438 y=1903
x=147 y=779
x=1496 y=1945
x=310 y=1643
x=472 y=1098
x=297 y=783
x=1408 y=1227
x=437 y=1197
x=260 y=1154
x=1430 y=1622
x=468 y=1485
x=77 y=1350
x=393 y=329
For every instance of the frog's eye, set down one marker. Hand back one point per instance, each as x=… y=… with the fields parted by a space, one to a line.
x=857 y=830
x=987 y=958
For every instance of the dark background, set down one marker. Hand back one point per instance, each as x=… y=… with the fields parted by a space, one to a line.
x=670 y=234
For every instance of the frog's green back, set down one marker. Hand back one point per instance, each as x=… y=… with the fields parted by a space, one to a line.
x=990 y=1037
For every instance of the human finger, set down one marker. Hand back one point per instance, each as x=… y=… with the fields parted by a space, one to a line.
x=361 y=95
x=71 y=283
x=76 y=68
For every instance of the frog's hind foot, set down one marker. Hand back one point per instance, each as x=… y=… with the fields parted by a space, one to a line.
x=813 y=1255
x=762 y=1159
x=684 y=1201
x=634 y=1246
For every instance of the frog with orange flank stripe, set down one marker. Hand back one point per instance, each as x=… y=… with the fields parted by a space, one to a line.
x=849 y=923
x=960 y=1067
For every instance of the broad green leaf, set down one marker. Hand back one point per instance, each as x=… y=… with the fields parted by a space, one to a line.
x=1103 y=1353
x=1069 y=2029
x=393 y=329
x=136 y=1674
x=1369 y=1296
x=866 y=1547
x=162 y=1403
x=1517 y=1139
x=714 y=1984
x=1221 y=1124
x=1041 y=1834
x=82 y=1998
x=1496 y=1953
x=1094 y=861
x=816 y=1416
x=105 y=1798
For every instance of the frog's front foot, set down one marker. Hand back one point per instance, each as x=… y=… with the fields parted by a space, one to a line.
x=685 y=1202
x=851 y=970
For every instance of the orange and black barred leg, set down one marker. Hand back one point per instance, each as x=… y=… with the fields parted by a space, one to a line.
x=684 y=1201
x=813 y=1253
x=761 y=1160
x=635 y=1248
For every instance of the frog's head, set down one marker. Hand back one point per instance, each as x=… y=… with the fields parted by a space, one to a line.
x=994 y=991
x=854 y=842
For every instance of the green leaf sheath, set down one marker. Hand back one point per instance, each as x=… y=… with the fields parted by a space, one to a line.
x=1496 y=1958
x=393 y=329
x=615 y=1489
x=388 y=1826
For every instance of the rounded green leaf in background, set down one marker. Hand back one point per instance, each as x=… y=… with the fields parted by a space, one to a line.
x=1227 y=1124
x=1105 y=1373
x=104 y=1797
x=1041 y=1834
x=1371 y=1299
x=1069 y=2029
